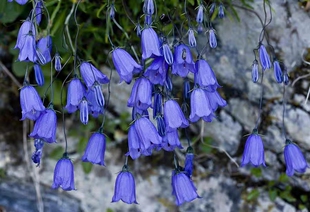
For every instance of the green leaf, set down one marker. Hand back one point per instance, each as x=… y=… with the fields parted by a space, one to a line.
x=81 y=145
x=87 y=167
x=109 y=210
x=192 y=2
x=253 y=195
x=19 y=68
x=9 y=11
x=57 y=153
x=272 y=194
x=304 y=198
x=257 y=172
x=283 y=178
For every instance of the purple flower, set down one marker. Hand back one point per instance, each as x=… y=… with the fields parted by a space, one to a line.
x=183 y=61
x=171 y=141
x=215 y=100
x=125 y=187
x=44 y=48
x=200 y=106
x=189 y=160
x=28 y=50
x=45 y=127
x=157 y=71
x=31 y=103
x=136 y=112
x=38 y=74
x=157 y=106
x=191 y=38
x=112 y=11
x=64 y=174
x=221 y=11
x=99 y=95
x=149 y=43
x=294 y=159
x=174 y=116
x=76 y=92
x=37 y=155
x=38 y=10
x=24 y=30
x=199 y=17
x=205 y=76
x=278 y=75
x=141 y=94
x=148 y=7
x=255 y=71
x=167 y=54
x=148 y=20
x=93 y=106
x=212 y=38
x=94 y=152
x=183 y=188
x=21 y=2
x=254 y=150
x=186 y=89
x=161 y=125
x=286 y=80
x=264 y=57
x=84 y=111
x=58 y=66
x=212 y=7
x=125 y=65
x=91 y=74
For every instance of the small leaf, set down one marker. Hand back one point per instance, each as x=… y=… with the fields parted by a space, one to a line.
x=253 y=195
x=304 y=198
x=272 y=194
x=87 y=167
x=257 y=172
x=57 y=153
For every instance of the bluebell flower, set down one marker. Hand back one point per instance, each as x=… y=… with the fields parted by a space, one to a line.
x=254 y=150
x=58 y=65
x=38 y=9
x=93 y=106
x=174 y=116
x=157 y=71
x=125 y=187
x=64 y=174
x=136 y=112
x=24 y=30
x=171 y=141
x=148 y=7
x=264 y=57
x=205 y=76
x=37 y=154
x=215 y=100
x=99 y=95
x=191 y=38
x=167 y=54
x=294 y=159
x=212 y=38
x=168 y=83
x=199 y=17
x=189 y=162
x=286 y=79
x=211 y=10
x=278 y=75
x=186 y=89
x=84 y=111
x=255 y=71
x=157 y=105
x=161 y=125
x=21 y=2
x=141 y=94
x=139 y=30
x=31 y=103
x=38 y=74
x=44 y=47
x=94 y=152
x=200 y=106
x=221 y=11
x=183 y=61
x=28 y=50
x=75 y=94
x=125 y=65
x=183 y=188
x=149 y=43
x=112 y=11
x=148 y=20
x=91 y=74
x=45 y=127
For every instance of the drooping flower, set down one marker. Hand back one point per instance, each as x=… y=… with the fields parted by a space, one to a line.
x=157 y=71
x=278 y=75
x=91 y=74
x=168 y=83
x=94 y=152
x=99 y=95
x=167 y=54
x=255 y=71
x=254 y=150
x=125 y=187
x=212 y=38
x=64 y=174
x=84 y=111
x=148 y=7
x=215 y=100
x=186 y=89
x=149 y=43
x=171 y=141
x=200 y=106
x=174 y=116
x=141 y=94
x=125 y=65
x=136 y=112
x=286 y=79
x=58 y=66
x=38 y=74
x=24 y=30
x=37 y=154
x=191 y=38
x=294 y=159
x=211 y=10
x=45 y=126
x=21 y=2
x=38 y=9
x=161 y=125
x=189 y=160
x=199 y=17
x=183 y=188
x=44 y=47
x=183 y=61
x=205 y=76
x=31 y=103
x=112 y=11
x=93 y=106
x=264 y=57
x=76 y=92
x=28 y=50
x=221 y=11
x=157 y=105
